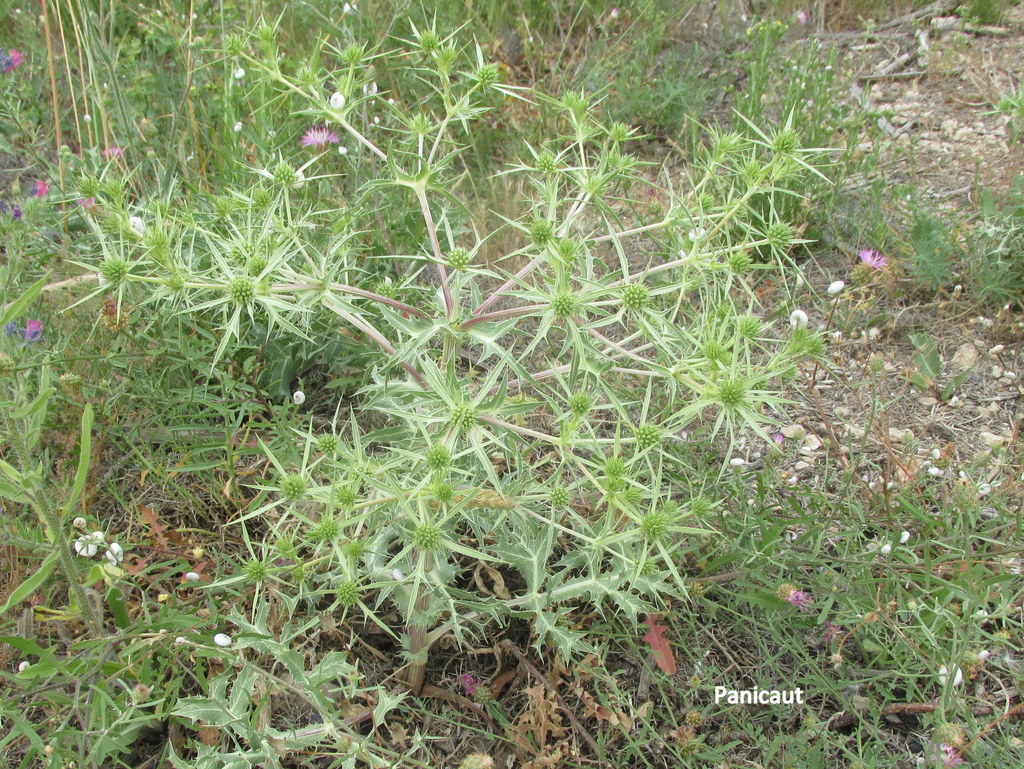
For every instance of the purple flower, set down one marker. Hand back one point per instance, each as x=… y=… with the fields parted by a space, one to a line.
x=799 y=599
x=15 y=210
x=469 y=683
x=32 y=332
x=319 y=136
x=112 y=152
x=873 y=258
x=949 y=755
x=831 y=631
x=10 y=59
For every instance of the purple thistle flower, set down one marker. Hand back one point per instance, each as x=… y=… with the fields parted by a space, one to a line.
x=873 y=258
x=799 y=599
x=319 y=136
x=15 y=210
x=112 y=152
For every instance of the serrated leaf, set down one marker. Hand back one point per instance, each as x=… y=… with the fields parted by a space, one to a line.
x=204 y=709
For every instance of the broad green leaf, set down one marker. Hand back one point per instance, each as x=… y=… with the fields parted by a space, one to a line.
x=84 y=454
x=30 y=585
x=16 y=308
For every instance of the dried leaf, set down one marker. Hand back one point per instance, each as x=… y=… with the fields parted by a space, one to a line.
x=660 y=648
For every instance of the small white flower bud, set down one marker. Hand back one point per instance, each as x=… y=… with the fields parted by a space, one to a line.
x=298 y=397
x=836 y=287
x=115 y=554
x=798 y=319
x=222 y=639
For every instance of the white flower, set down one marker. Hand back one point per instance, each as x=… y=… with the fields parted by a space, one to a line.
x=904 y=537
x=298 y=397
x=239 y=73
x=222 y=639
x=191 y=577
x=238 y=127
x=89 y=544
x=615 y=13
x=958 y=676
x=337 y=100
x=115 y=554
x=79 y=522
x=798 y=319
x=137 y=224
x=836 y=287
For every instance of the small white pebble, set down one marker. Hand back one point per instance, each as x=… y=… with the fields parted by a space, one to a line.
x=222 y=639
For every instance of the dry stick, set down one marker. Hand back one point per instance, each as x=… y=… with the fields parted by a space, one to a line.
x=53 y=89
x=442 y=275
x=576 y=725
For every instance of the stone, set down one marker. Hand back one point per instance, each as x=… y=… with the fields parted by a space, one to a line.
x=965 y=356
x=991 y=439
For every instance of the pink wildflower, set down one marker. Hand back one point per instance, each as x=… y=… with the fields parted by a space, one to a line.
x=469 y=683
x=873 y=258
x=319 y=136
x=799 y=599
x=40 y=188
x=801 y=17
x=87 y=202
x=949 y=756
x=10 y=60
x=112 y=152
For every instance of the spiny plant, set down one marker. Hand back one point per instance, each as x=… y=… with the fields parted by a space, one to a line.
x=520 y=409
